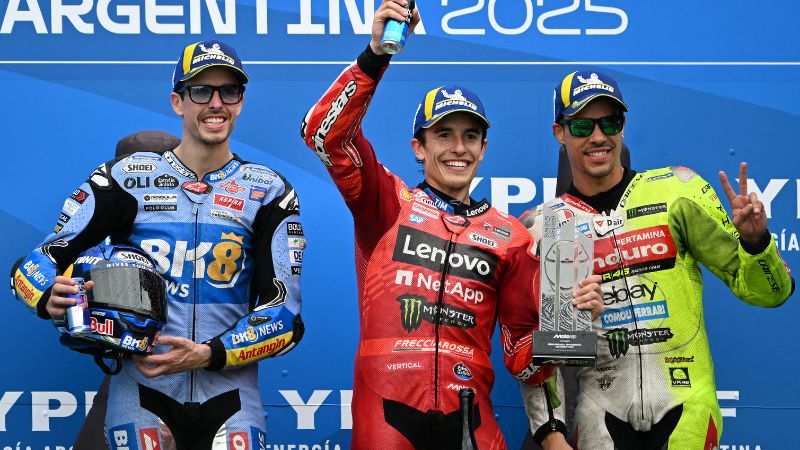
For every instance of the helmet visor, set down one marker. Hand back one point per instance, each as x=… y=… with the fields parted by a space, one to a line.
x=130 y=289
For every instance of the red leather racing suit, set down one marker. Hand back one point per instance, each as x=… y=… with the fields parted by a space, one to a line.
x=430 y=285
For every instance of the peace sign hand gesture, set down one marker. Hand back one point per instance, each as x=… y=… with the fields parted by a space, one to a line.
x=749 y=217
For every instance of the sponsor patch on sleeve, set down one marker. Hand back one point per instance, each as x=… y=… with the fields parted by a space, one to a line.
x=294 y=229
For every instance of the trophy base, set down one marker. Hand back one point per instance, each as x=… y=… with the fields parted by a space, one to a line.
x=564 y=348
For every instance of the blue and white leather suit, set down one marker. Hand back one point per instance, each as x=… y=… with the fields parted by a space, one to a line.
x=230 y=247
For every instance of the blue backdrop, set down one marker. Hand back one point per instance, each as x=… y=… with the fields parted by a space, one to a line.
x=708 y=83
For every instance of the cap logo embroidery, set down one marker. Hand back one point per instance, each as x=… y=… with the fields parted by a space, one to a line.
x=457 y=95
x=214 y=49
x=593 y=79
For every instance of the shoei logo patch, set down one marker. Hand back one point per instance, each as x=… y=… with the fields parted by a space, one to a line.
x=134 y=258
x=139 y=168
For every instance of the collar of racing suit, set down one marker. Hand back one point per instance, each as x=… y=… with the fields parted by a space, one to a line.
x=608 y=200
x=451 y=205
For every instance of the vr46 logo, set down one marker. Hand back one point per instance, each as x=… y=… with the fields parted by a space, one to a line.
x=220 y=263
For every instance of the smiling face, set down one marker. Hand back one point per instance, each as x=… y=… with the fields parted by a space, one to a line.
x=210 y=124
x=451 y=150
x=595 y=159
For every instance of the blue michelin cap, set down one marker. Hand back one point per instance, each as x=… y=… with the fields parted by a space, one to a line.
x=202 y=55
x=445 y=100
x=577 y=89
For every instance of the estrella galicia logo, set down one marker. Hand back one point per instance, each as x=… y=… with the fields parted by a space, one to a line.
x=166 y=182
x=680 y=376
x=620 y=339
x=462 y=371
x=416 y=308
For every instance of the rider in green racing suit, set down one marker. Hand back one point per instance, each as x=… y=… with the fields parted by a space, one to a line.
x=653 y=383
x=653 y=353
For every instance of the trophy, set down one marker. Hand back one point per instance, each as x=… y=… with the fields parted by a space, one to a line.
x=565 y=335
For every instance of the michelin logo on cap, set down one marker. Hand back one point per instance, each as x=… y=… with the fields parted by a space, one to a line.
x=455 y=99
x=593 y=82
x=212 y=53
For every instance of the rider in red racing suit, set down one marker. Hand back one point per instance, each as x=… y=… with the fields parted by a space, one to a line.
x=432 y=277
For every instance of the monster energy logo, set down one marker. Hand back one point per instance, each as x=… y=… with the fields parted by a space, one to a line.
x=620 y=339
x=416 y=308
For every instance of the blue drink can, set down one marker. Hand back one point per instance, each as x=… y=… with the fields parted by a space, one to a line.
x=395 y=33
x=78 y=315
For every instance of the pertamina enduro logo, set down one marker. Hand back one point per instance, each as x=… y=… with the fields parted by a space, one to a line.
x=414 y=309
x=635 y=252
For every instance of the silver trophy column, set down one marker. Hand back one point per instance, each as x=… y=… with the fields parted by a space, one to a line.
x=565 y=336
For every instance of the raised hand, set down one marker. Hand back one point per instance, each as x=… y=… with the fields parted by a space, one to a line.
x=390 y=10
x=749 y=217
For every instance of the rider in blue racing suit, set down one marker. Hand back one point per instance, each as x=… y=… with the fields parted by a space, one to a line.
x=226 y=237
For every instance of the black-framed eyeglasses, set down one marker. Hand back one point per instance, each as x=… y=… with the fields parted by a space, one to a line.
x=584 y=126
x=230 y=94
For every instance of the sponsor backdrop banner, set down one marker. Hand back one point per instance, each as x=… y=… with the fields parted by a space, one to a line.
x=709 y=84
